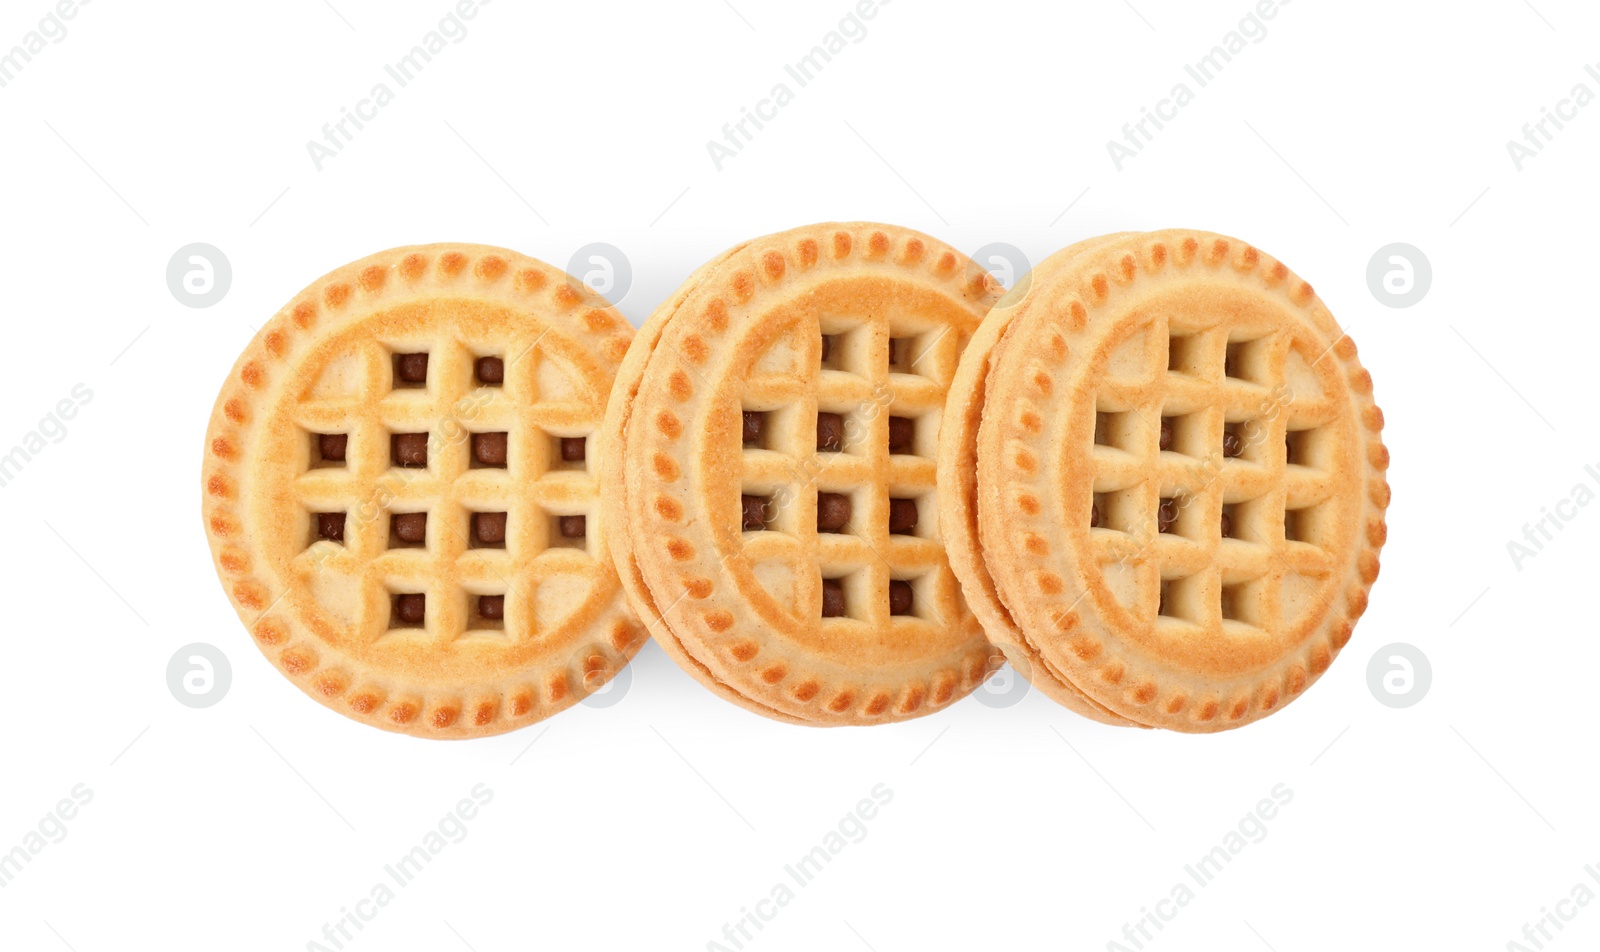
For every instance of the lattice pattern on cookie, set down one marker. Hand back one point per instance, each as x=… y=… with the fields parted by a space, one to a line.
x=460 y=475
x=304 y=405
x=1168 y=328
x=839 y=438
x=1209 y=502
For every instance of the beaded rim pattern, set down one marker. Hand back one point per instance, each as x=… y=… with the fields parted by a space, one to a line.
x=589 y=326
x=733 y=646
x=1065 y=311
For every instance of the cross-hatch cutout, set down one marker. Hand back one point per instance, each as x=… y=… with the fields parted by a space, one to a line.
x=328 y=450
x=904 y=516
x=1231 y=525
x=1182 y=433
x=1116 y=511
x=1304 y=523
x=1243 y=440
x=902 y=435
x=1178 y=515
x=903 y=355
x=408 y=450
x=756 y=512
x=408 y=530
x=568 y=452
x=487 y=530
x=408 y=610
x=1241 y=522
x=1180 y=599
x=831 y=432
x=909 y=351
x=1118 y=430
x=902 y=597
x=327 y=526
x=754 y=431
x=835 y=598
x=409 y=371
x=489 y=371
x=1247 y=360
x=486 y=612
x=1184 y=354
x=1241 y=602
x=1306 y=447
x=845 y=350
x=568 y=531
x=832 y=352
x=490 y=450
x=834 y=511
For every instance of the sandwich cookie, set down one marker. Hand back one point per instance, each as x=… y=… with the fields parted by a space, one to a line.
x=400 y=496
x=1164 y=481
x=769 y=453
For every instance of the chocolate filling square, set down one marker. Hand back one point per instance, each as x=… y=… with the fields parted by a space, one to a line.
x=330 y=526
x=490 y=371
x=754 y=511
x=410 y=370
x=899 y=597
x=830 y=432
x=902 y=516
x=902 y=432
x=409 y=449
x=832 y=598
x=489 y=530
x=489 y=450
x=833 y=512
x=408 y=610
x=410 y=529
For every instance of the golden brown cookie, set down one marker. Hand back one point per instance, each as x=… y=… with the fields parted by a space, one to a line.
x=1179 y=486
x=958 y=506
x=613 y=488
x=400 y=499
x=770 y=454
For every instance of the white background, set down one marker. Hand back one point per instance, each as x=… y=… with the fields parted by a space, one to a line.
x=651 y=823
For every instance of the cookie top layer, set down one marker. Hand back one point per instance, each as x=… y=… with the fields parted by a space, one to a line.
x=779 y=474
x=958 y=506
x=398 y=495
x=1180 y=482
x=609 y=444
